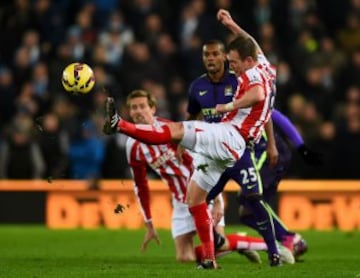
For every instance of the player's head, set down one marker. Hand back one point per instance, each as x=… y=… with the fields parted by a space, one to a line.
x=241 y=54
x=142 y=106
x=214 y=56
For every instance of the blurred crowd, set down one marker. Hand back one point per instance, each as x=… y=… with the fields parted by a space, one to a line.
x=156 y=45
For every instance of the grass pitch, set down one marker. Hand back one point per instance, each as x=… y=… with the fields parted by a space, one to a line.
x=34 y=251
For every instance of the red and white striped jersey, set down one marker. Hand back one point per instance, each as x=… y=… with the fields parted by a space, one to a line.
x=162 y=159
x=250 y=121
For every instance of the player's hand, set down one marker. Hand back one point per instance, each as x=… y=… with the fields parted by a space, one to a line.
x=221 y=108
x=272 y=155
x=217 y=211
x=151 y=234
x=310 y=157
x=224 y=17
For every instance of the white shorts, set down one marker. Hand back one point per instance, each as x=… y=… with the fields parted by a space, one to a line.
x=182 y=221
x=218 y=146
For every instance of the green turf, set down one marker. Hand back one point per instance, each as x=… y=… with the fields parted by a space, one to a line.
x=28 y=251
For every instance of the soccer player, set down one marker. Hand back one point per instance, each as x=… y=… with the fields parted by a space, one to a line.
x=271 y=177
x=176 y=174
x=217 y=86
x=219 y=144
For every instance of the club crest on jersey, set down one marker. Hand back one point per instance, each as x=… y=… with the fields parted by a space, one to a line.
x=228 y=91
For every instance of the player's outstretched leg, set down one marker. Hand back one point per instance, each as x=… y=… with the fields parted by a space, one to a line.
x=147 y=134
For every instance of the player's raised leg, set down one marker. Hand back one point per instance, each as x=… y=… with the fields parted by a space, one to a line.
x=172 y=132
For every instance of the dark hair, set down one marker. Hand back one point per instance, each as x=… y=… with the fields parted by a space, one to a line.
x=141 y=93
x=215 y=41
x=245 y=47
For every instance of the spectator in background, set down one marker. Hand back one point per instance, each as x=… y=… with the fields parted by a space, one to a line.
x=176 y=96
x=167 y=55
x=349 y=75
x=41 y=84
x=22 y=66
x=114 y=158
x=114 y=38
x=75 y=43
x=348 y=137
x=20 y=155
x=53 y=144
x=286 y=86
x=299 y=35
x=31 y=42
x=318 y=91
x=159 y=92
x=50 y=22
x=153 y=28
x=140 y=65
x=349 y=35
x=7 y=96
x=86 y=153
x=26 y=102
x=136 y=12
x=15 y=20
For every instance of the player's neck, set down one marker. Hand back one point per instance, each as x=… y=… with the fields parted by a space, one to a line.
x=217 y=76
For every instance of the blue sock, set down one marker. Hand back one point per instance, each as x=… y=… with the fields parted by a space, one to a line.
x=264 y=224
x=280 y=229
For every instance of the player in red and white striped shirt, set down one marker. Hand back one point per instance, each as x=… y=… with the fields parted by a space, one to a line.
x=163 y=161
x=219 y=144
x=176 y=174
x=250 y=121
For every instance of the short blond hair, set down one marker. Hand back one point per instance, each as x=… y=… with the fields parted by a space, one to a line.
x=141 y=93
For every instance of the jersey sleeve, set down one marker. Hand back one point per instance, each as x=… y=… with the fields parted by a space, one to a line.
x=194 y=107
x=138 y=167
x=251 y=78
x=286 y=127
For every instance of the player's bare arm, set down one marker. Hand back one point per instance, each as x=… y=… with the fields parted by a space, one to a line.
x=225 y=18
x=251 y=97
x=272 y=151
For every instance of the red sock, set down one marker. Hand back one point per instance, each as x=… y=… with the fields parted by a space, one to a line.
x=199 y=253
x=204 y=226
x=146 y=133
x=238 y=242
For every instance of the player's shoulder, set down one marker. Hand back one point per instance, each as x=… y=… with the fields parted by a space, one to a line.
x=252 y=74
x=263 y=60
x=200 y=80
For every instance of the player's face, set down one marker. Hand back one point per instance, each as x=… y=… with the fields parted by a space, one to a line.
x=213 y=58
x=236 y=64
x=140 y=111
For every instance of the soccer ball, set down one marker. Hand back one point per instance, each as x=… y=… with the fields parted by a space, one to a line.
x=78 y=78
